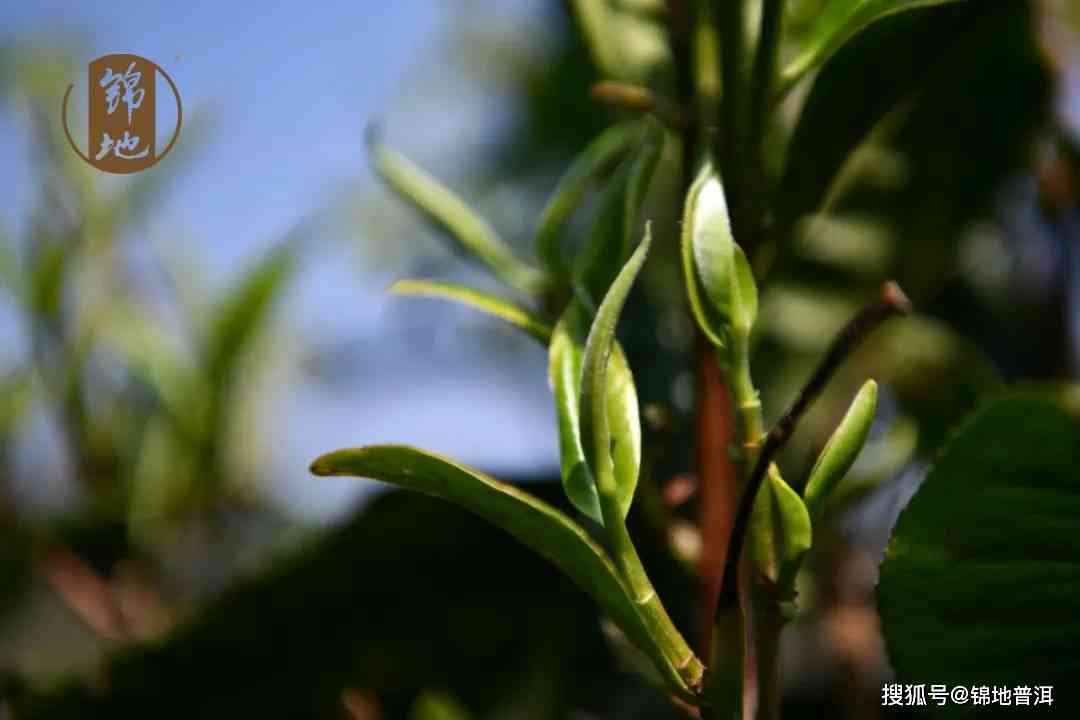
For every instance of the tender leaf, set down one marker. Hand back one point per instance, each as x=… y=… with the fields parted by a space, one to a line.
x=451 y=215
x=981 y=579
x=780 y=532
x=533 y=522
x=438 y=706
x=564 y=367
x=480 y=300
x=702 y=309
x=838 y=22
x=611 y=235
x=242 y=311
x=719 y=280
x=841 y=450
x=744 y=307
x=594 y=160
x=610 y=433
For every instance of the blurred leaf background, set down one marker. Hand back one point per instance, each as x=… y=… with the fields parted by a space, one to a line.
x=177 y=345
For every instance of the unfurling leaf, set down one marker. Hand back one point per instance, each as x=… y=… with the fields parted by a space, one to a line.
x=841 y=450
x=780 y=532
x=610 y=433
x=479 y=300
x=838 y=22
x=564 y=367
x=594 y=160
x=451 y=215
x=612 y=232
x=719 y=281
x=532 y=522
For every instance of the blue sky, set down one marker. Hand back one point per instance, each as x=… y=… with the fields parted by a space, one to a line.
x=289 y=88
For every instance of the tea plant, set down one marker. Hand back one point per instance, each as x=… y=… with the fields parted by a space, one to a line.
x=713 y=85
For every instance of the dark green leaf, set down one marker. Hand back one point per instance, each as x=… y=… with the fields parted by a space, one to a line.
x=981 y=580
x=838 y=22
x=482 y=301
x=855 y=90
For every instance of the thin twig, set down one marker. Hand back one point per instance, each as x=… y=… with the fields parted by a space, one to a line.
x=892 y=302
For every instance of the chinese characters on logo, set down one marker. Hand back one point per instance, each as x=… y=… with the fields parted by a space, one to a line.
x=898 y=695
x=122 y=113
x=122 y=88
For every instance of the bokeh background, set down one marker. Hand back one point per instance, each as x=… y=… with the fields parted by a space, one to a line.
x=176 y=346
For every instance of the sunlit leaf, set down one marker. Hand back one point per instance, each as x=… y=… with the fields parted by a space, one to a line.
x=593 y=161
x=719 y=281
x=451 y=215
x=838 y=22
x=611 y=433
x=981 y=580
x=564 y=358
x=840 y=451
x=534 y=523
x=479 y=300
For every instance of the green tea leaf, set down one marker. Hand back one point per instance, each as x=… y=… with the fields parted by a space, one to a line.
x=780 y=532
x=611 y=235
x=532 y=522
x=838 y=22
x=564 y=369
x=478 y=299
x=882 y=67
x=841 y=450
x=744 y=309
x=451 y=215
x=608 y=433
x=719 y=281
x=594 y=160
x=981 y=579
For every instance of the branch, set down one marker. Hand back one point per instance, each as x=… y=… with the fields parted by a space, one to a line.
x=892 y=302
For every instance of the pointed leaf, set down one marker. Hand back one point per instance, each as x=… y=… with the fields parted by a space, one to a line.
x=744 y=306
x=594 y=160
x=478 y=299
x=611 y=235
x=841 y=450
x=565 y=357
x=780 y=532
x=719 y=281
x=532 y=522
x=838 y=22
x=451 y=215
x=610 y=435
